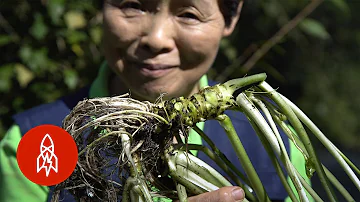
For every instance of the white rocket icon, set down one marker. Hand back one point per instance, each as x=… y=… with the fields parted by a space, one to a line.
x=47 y=159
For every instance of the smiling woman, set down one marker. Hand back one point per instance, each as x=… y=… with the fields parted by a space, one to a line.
x=163 y=46
x=156 y=47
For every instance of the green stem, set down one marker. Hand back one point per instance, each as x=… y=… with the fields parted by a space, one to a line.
x=135 y=169
x=125 y=143
x=338 y=185
x=202 y=169
x=223 y=166
x=275 y=162
x=181 y=191
x=127 y=187
x=137 y=194
x=181 y=174
x=300 y=145
x=133 y=196
x=240 y=151
x=235 y=84
x=326 y=142
x=271 y=132
x=221 y=155
x=352 y=165
x=309 y=189
x=212 y=156
x=295 y=122
x=193 y=181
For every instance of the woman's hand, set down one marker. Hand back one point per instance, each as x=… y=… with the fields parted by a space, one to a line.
x=228 y=194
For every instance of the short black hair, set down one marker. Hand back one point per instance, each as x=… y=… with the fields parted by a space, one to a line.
x=229 y=9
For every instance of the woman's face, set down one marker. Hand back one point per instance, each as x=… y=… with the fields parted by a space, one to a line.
x=161 y=46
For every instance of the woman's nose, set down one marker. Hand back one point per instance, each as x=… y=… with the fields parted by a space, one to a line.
x=159 y=37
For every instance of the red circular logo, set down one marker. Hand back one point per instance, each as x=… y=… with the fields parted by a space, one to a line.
x=47 y=155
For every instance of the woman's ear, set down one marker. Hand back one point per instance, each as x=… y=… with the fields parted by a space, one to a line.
x=230 y=28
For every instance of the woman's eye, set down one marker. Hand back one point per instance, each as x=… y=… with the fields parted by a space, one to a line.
x=189 y=16
x=131 y=8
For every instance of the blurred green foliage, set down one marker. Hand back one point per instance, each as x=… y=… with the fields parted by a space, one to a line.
x=49 y=48
x=52 y=47
x=316 y=65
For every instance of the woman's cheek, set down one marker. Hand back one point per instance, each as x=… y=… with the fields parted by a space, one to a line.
x=120 y=31
x=200 y=48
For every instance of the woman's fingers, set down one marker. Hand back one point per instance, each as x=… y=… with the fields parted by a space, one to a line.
x=224 y=194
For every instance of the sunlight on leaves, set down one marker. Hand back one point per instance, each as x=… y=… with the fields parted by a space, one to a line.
x=24 y=75
x=75 y=20
x=96 y=34
x=77 y=50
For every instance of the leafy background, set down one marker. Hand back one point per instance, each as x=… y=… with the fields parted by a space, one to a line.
x=50 y=48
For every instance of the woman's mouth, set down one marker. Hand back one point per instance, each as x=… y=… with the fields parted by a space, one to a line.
x=153 y=70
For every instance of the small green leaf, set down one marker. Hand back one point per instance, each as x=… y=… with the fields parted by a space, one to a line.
x=36 y=59
x=342 y=5
x=74 y=37
x=96 y=34
x=39 y=60
x=55 y=10
x=314 y=28
x=24 y=75
x=76 y=48
x=75 y=20
x=5 y=39
x=25 y=53
x=71 y=78
x=6 y=73
x=39 y=29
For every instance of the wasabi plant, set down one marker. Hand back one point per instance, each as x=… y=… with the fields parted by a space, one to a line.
x=137 y=151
